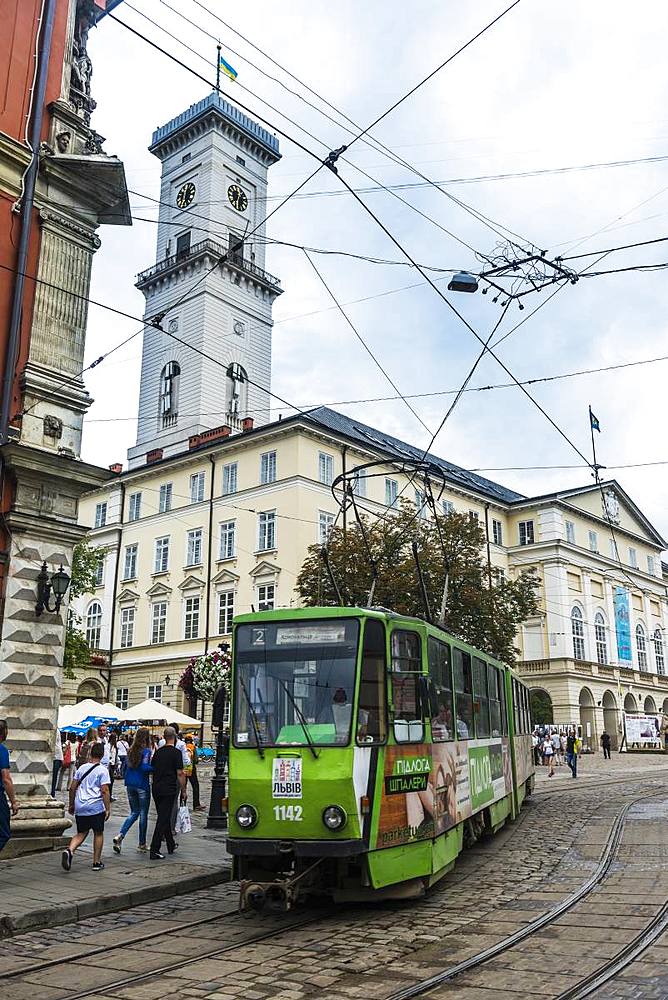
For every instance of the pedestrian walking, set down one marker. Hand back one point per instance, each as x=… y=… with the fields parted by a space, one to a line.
x=113 y=762
x=8 y=804
x=535 y=743
x=187 y=764
x=58 y=758
x=90 y=803
x=572 y=743
x=68 y=768
x=556 y=746
x=169 y=781
x=83 y=751
x=605 y=743
x=548 y=755
x=192 y=776
x=137 y=785
x=123 y=749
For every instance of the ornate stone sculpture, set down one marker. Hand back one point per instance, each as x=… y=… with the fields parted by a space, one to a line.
x=610 y=505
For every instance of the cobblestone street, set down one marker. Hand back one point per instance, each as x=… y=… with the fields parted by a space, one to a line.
x=197 y=944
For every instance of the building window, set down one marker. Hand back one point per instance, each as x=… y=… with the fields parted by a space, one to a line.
x=497 y=532
x=134 y=507
x=191 y=618
x=499 y=575
x=421 y=504
x=165 y=501
x=236 y=385
x=391 y=492
x=100 y=514
x=130 y=562
x=183 y=244
x=170 y=377
x=570 y=532
x=641 y=647
x=613 y=549
x=197 y=487
x=229 y=478
x=225 y=612
x=633 y=558
x=94 y=625
x=473 y=515
x=266 y=530
x=526 y=532
x=359 y=483
x=154 y=692
x=266 y=594
x=127 y=627
x=325 y=525
x=161 y=560
x=122 y=698
x=268 y=467
x=593 y=541
x=158 y=622
x=194 y=547
x=227 y=540
x=448 y=507
x=99 y=573
x=325 y=468
x=577 y=626
x=650 y=565
x=601 y=638
x=658 y=652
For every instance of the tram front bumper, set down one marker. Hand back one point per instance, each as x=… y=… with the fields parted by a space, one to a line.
x=296 y=848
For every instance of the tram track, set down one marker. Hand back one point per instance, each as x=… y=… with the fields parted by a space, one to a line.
x=589 y=984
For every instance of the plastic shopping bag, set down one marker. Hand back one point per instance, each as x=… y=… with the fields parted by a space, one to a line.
x=183 y=821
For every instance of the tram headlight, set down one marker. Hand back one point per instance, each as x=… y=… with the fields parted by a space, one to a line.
x=334 y=817
x=246 y=816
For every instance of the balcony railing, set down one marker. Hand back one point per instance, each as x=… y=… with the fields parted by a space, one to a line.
x=210 y=247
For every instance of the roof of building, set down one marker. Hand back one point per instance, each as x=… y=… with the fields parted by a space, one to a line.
x=366 y=435
x=228 y=111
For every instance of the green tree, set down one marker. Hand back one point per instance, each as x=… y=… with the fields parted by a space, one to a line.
x=85 y=560
x=449 y=547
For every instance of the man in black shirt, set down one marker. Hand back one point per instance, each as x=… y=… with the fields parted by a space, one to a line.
x=168 y=778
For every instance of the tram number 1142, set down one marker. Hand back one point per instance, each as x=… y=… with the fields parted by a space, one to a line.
x=291 y=813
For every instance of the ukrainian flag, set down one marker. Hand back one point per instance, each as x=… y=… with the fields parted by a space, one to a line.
x=227 y=69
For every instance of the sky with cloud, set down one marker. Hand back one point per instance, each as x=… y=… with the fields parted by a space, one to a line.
x=549 y=86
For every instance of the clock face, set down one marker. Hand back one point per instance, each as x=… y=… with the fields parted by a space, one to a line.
x=237 y=198
x=185 y=195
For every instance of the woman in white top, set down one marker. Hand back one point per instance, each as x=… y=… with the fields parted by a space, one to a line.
x=548 y=755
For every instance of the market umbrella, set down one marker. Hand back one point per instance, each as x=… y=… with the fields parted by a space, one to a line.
x=74 y=715
x=152 y=711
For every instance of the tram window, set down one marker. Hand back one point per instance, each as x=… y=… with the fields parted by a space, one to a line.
x=516 y=708
x=502 y=697
x=527 y=712
x=372 y=711
x=406 y=653
x=463 y=694
x=480 y=698
x=440 y=674
x=408 y=726
x=493 y=687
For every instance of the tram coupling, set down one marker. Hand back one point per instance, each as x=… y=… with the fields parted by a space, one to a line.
x=277 y=897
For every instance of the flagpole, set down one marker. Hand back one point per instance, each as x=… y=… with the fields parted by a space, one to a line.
x=593 y=447
x=219 y=47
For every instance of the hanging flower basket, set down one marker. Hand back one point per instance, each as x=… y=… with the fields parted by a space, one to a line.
x=205 y=674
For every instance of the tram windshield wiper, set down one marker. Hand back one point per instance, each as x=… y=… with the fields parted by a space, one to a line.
x=300 y=715
x=256 y=728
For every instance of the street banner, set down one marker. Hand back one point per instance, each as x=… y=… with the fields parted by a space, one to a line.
x=623 y=625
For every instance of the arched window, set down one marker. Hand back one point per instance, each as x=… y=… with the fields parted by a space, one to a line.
x=641 y=647
x=601 y=638
x=94 y=625
x=577 y=626
x=169 y=393
x=236 y=388
x=658 y=651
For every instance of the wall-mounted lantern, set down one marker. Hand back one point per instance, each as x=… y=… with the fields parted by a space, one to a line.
x=58 y=583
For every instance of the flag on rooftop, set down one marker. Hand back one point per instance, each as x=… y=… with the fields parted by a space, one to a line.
x=227 y=69
x=595 y=426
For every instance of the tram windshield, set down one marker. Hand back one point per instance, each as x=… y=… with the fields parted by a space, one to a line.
x=295 y=682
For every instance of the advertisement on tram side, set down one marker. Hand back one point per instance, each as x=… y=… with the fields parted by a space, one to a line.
x=430 y=787
x=524 y=764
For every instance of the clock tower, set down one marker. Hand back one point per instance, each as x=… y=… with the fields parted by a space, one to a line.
x=213 y=192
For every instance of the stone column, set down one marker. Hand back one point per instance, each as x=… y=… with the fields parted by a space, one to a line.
x=43 y=527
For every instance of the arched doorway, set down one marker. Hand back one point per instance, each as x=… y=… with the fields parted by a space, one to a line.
x=90 y=689
x=587 y=720
x=649 y=708
x=630 y=704
x=541 y=707
x=664 y=707
x=611 y=720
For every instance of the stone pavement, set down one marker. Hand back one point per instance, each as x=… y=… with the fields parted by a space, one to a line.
x=36 y=892
x=592 y=768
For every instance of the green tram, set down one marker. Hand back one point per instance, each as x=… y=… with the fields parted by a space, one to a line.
x=366 y=750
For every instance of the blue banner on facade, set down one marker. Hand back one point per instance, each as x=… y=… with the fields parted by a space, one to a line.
x=623 y=624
